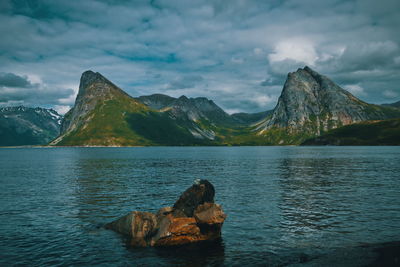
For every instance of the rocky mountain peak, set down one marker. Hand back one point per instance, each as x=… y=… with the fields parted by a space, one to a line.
x=311 y=103
x=94 y=88
x=183 y=98
x=88 y=77
x=95 y=83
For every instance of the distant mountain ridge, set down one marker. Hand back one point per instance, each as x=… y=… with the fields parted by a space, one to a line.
x=28 y=126
x=309 y=106
x=395 y=104
x=197 y=108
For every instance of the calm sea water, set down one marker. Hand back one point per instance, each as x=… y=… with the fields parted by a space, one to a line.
x=282 y=202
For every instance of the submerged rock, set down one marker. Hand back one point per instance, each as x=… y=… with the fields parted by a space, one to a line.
x=194 y=217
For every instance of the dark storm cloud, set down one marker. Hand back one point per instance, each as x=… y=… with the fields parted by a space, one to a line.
x=18 y=90
x=237 y=53
x=12 y=80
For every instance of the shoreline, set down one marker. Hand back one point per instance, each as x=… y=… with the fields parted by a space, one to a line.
x=42 y=146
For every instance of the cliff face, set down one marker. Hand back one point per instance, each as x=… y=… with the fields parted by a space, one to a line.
x=99 y=115
x=311 y=103
x=93 y=89
x=105 y=115
x=28 y=126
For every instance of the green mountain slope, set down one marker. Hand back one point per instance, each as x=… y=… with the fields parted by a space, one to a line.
x=368 y=133
x=99 y=116
x=104 y=115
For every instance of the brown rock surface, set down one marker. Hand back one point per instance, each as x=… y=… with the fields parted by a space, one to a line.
x=200 y=192
x=172 y=225
x=140 y=226
x=209 y=213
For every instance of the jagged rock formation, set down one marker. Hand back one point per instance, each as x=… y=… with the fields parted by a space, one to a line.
x=193 y=218
x=105 y=115
x=28 y=126
x=311 y=103
x=99 y=114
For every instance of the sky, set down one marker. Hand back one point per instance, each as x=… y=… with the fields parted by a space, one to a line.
x=235 y=52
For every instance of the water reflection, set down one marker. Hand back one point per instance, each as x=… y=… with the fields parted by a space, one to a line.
x=281 y=202
x=311 y=194
x=97 y=188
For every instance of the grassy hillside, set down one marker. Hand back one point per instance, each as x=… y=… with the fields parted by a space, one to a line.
x=160 y=129
x=386 y=132
x=107 y=125
x=123 y=121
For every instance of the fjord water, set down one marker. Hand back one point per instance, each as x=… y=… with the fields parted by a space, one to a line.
x=281 y=202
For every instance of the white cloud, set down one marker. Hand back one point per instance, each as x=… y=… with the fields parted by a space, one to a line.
x=61 y=109
x=355 y=89
x=297 y=49
x=232 y=110
x=263 y=100
x=234 y=45
x=390 y=94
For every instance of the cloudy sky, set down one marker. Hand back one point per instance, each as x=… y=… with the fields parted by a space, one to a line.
x=236 y=52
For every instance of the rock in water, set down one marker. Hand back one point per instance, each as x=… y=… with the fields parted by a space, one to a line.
x=140 y=226
x=200 y=192
x=209 y=213
x=193 y=218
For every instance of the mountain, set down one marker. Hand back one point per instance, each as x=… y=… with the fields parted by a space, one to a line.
x=98 y=116
x=395 y=104
x=104 y=115
x=193 y=109
x=311 y=104
x=203 y=118
x=200 y=108
x=28 y=126
x=156 y=101
x=368 y=133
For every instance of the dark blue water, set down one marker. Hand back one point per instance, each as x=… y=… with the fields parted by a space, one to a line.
x=282 y=202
